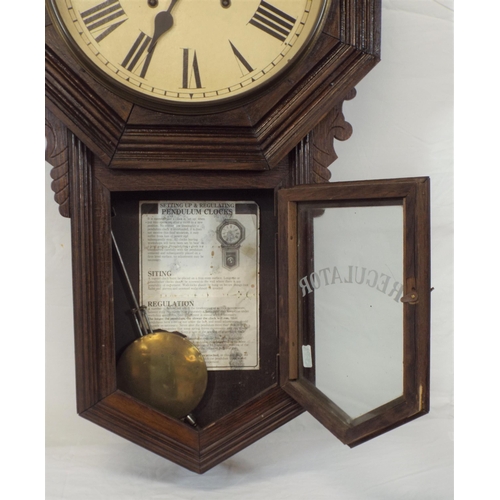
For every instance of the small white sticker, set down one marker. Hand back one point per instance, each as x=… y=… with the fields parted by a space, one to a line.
x=307 y=360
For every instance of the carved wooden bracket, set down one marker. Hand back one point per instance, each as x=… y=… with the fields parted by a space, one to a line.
x=316 y=152
x=56 y=153
x=333 y=126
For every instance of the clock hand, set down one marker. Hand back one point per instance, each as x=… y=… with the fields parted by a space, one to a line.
x=163 y=22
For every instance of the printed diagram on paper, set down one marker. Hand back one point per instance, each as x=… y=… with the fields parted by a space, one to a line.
x=199 y=268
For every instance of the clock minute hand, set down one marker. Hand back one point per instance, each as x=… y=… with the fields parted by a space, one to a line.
x=163 y=22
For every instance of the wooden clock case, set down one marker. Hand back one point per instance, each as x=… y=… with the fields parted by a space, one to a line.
x=108 y=153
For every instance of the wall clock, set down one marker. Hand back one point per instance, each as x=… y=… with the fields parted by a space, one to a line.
x=211 y=198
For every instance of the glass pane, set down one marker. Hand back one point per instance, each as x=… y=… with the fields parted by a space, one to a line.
x=350 y=293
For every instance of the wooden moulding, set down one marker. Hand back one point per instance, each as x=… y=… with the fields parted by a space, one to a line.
x=56 y=153
x=255 y=136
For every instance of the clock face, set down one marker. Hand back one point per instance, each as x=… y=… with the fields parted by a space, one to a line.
x=231 y=233
x=188 y=52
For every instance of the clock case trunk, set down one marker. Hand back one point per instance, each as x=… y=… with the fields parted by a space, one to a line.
x=87 y=191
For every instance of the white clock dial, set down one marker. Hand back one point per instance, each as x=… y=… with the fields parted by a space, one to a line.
x=189 y=51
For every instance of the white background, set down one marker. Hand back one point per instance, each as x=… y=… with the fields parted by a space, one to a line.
x=403 y=126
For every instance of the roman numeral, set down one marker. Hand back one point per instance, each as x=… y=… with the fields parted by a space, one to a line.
x=99 y=19
x=273 y=21
x=241 y=60
x=190 y=70
x=134 y=58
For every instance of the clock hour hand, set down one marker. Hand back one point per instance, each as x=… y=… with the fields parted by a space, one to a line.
x=163 y=22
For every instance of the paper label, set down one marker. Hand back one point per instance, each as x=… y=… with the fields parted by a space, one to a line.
x=307 y=361
x=199 y=268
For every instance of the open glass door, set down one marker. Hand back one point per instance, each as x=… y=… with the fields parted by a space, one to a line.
x=355 y=303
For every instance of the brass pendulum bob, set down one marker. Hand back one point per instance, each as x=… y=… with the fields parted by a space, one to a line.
x=162 y=369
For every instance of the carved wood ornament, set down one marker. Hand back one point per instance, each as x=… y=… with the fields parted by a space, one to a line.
x=106 y=149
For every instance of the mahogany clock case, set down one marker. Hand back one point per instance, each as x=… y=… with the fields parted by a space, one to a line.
x=110 y=153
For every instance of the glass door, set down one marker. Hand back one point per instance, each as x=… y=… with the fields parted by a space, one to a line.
x=355 y=303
